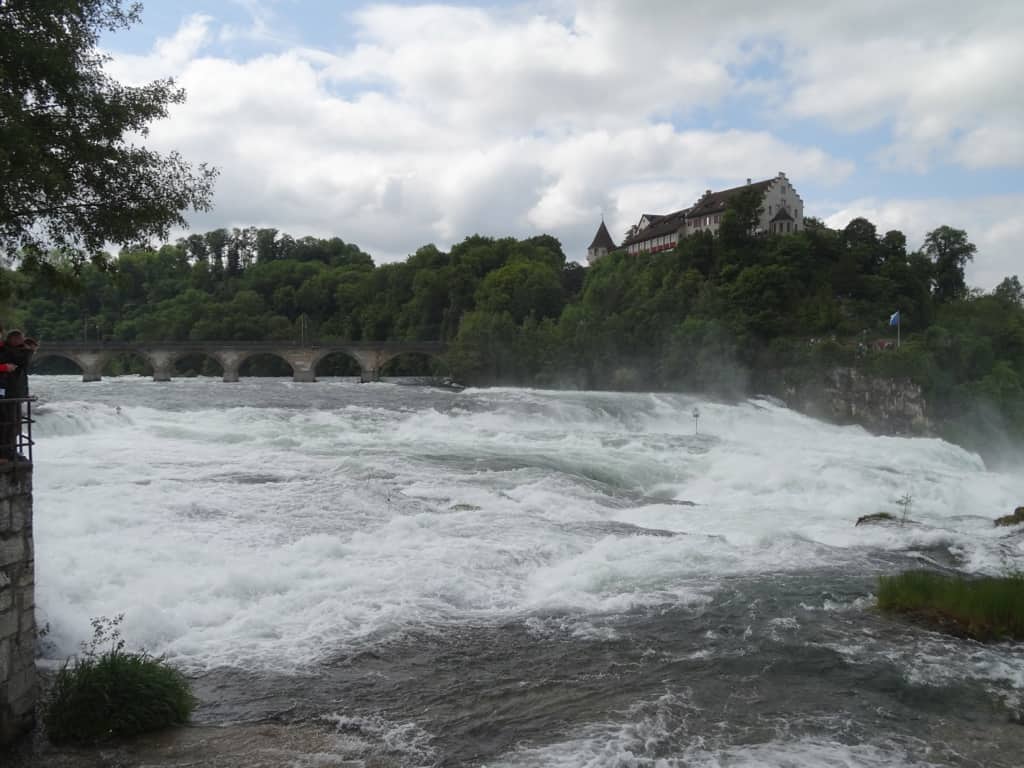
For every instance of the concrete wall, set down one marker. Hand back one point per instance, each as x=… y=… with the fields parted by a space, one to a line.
x=17 y=603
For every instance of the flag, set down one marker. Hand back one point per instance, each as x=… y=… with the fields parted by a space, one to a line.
x=894 y=318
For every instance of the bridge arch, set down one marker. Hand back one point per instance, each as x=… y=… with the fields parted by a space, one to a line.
x=414 y=363
x=90 y=364
x=46 y=360
x=121 y=363
x=270 y=362
x=197 y=363
x=337 y=362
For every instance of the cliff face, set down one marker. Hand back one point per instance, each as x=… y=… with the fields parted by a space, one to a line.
x=848 y=396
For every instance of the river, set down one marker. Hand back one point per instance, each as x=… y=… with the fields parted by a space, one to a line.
x=510 y=577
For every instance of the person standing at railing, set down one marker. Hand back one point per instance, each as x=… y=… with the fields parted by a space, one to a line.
x=8 y=411
x=15 y=356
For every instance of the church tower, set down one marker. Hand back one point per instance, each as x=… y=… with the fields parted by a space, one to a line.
x=601 y=245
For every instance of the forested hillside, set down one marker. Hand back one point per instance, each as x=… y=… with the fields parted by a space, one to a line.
x=728 y=314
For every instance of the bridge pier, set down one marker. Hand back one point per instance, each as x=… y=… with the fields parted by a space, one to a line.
x=163 y=365
x=303 y=362
x=91 y=365
x=230 y=361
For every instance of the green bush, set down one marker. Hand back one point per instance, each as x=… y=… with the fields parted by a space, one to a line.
x=114 y=694
x=989 y=608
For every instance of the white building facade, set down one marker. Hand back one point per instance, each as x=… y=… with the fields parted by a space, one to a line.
x=782 y=212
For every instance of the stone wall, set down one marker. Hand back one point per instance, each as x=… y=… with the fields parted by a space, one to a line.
x=848 y=396
x=17 y=603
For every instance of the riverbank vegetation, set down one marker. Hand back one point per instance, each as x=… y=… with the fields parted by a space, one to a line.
x=110 y=693
x=729 y=314
x=986 y=608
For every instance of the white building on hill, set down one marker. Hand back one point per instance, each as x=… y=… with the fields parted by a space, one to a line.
x=782 y=212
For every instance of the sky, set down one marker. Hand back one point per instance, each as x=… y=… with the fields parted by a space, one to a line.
x=393 y=125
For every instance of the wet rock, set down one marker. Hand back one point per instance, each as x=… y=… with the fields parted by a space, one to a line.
x=1017 y=518
x=877 y=518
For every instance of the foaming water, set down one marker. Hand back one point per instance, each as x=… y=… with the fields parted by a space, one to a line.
x=366 y=536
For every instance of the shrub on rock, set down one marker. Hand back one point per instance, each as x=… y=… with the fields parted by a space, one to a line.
x=114 y=693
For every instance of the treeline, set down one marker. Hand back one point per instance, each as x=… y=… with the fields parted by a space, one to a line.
x=731 y=313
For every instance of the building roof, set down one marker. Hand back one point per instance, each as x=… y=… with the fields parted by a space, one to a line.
x=665 y=225
x=602 y=239
x=782 y=215
x=716 y=202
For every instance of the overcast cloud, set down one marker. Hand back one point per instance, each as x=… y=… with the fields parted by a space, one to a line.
x=428 y=123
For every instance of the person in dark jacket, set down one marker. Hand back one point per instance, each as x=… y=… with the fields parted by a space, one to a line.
x=8 y=415
x=15 y=355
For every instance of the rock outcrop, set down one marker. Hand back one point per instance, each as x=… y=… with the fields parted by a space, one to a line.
x=1017 y=518
x=848 y=396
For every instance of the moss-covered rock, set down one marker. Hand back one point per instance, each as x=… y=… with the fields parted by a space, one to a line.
x=1017 y=518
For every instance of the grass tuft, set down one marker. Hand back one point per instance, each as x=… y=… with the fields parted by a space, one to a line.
x=114 y=694
x=988 y=608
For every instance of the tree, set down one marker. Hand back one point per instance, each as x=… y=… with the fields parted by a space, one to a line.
x=521 y=289
x=949 y=250
x=71 y=178
x=266 y=247
x=748 y=209
x=1010 y=290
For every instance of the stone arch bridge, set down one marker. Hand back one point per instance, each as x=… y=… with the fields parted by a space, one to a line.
x=91 y=356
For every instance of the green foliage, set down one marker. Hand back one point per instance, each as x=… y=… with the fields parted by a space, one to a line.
x=109 y=693
x=72 y=174
x=727 y=314
x=950 y=250
x=988 y=608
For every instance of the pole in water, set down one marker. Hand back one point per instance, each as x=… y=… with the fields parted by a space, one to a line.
x=696 y=418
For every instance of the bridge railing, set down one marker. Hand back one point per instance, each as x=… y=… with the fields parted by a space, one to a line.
x=245 y=345
x=16 y=429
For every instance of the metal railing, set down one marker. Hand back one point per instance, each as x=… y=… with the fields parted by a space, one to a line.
x=16 y=429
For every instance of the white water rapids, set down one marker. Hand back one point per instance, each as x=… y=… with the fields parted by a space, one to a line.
x=273 y=527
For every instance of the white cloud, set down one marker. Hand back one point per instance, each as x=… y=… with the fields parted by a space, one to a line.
x=170 y=55
x=995 y=224
x=441 y=121
x=466 y=137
